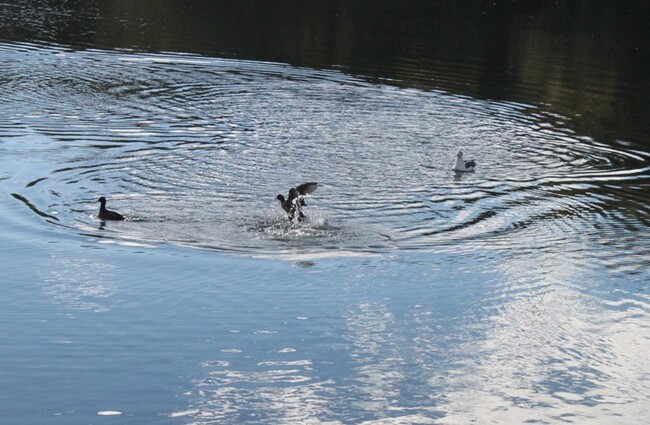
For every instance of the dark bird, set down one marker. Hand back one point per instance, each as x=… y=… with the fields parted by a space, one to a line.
x=295 y=200
x=105 y=214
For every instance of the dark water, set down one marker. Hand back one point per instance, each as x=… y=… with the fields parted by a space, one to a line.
x=411 y=294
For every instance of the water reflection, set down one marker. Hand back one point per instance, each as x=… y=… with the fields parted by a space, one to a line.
x=274 y=391
x=551 y=353
x=528 y=340
x=78 y=284
x=389 y=389
x=586 y=61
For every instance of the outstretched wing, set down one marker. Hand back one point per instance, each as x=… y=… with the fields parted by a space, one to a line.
x=293 y=195
x=306 y=188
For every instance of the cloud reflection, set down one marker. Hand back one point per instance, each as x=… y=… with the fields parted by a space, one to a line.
x=551 y=353
x=273 y=391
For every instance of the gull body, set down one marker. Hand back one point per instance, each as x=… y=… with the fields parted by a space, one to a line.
x=463 y=165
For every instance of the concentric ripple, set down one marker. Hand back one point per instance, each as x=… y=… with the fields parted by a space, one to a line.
x=193 y=150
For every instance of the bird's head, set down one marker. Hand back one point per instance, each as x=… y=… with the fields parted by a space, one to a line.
x=280 y=198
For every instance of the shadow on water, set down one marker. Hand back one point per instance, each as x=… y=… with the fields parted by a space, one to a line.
x=34 y=208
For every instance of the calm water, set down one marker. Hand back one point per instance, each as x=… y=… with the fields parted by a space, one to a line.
x=411 y=295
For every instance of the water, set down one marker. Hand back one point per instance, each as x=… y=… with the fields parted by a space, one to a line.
x=411 y=294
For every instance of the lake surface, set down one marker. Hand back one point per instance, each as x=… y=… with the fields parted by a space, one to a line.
x=410 y=295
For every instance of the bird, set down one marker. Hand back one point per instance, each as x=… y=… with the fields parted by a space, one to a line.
x=105 y=214
x=462 y=165
x=295 y=200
